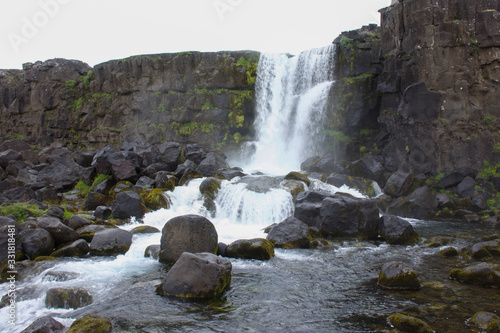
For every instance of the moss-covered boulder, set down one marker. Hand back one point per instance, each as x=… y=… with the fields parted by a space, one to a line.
x=210 y=187
x=111 y=242
x=155 y=199
x=482 y=319
x=67 y=298
x=404 y=323
x=485 y=250
x=483 y=274
x=120 y=187
x=395 y=230
x=493 y=326
x=294 y=186
x=78 y=248
x=145 y=229
x=257 y=248
x=166 y=181
x=398 y=276
x=200 y=275
x=91 y=324
x=449 y=251
x=294 y=175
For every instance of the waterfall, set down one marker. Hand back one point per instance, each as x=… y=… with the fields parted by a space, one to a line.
x=292 y=96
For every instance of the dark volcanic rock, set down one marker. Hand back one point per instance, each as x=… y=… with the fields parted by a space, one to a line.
x=398 y=184
x=36 y=243
x=90 y=324
x=421 y=204
x=483 y=274
x=209 y=166
x=290 y=234
x=257 y=248
x=128 y=204
x=78 y=248
x=201 y=275
x=454 y=177
x=110 y=242
x=44 y=324
x=63 y=174
x=61 y=233
x=395 y=230
x=187 y=233
x=466 y=187
x=397 y=275
x=71 y=298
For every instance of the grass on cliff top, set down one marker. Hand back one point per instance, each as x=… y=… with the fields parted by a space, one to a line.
x=21 y=211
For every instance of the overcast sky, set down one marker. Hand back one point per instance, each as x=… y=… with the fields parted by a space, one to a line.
x=95 y=31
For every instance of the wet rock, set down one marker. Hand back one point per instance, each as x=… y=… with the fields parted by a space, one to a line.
x=152 y=251
x=449 y=251
x=61 y=233
x=87 y=232
x=44 y=324
x=102 y=212
x=110 y=242
x=76 y=222
x=145 y=229
x=232 y=173
x=78 y=248
x=290 y=234
x=182 y=168
x=155 y=199
x=493 y=326
x=90 y=324
x=398 y=275
x=395 y=230
x=222 y=249
x=36 y=243
x=454 y=177
x=482 y=319
x=398 y=184
x=201 y=275
x=483 y=274
x=485 y=250
x=128 y=204
x=67 y=298
x=404 y=323
x=421 y=204
x=439 y=241
x=257 y=248
x=187 y=233
x=326 y=164
x=212 y=164
x=318 y=175
x=363 y=185
x=59 y=276
x=294 y=186
x=298 y=176
x=188 y=175
x=472 y=218
x=210 y=187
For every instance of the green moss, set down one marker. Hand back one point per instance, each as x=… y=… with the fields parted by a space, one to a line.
x=251 y=65
x=91 y=324
x=71 y=84
x=208 y=105
x=298 y=176
x=338 y=135
x=78 y=104
x=406 y=323
x=21 y=211
x=97 y=180
x=87 y=79
x=82 y=188
x=207 y=127
x=210 y=187
x=155 y=199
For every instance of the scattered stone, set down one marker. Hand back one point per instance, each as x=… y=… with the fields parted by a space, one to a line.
x=398 y=275
x=111 y=242
x=201 y=275
x=483 y=274
x=102 y=212
x=78 y=248
x=88 y=232
x=145 y=229
x=56 y=212
x=95 y=199
x=44 y=324
x=76 y=222
x=395 y=230
x=290 y=234
x=449 y=251
x=67 y=298
x=482 y=319
x=165 y=181
x=61 y=233
x=486 y=250
x=406 y=323
x=187 y=233
x=36 y=243
x=91 y=324
x=152 y=251
x=257 y=248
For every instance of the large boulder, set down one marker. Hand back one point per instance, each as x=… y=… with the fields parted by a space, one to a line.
x=483 y=274
x=61 y=233
x=111 y=242
x=395 y=230
x=210 y=187
x=482 y=319
x=128 y=204
x=369 y=167
x=398 y=183
x=36 y=243
x=201 y=275
x=290 y=234
x=421 y=204
x=90 y=324
x=454 y=177
x=67 y=298
x=96 y=199
x=363 y=185
x=257 y=248
x=44 y=324
x=170 y=153
x=466 y=187
x=155 y=199
x=212 y=164
x=78 y=248
x=187 y=233
x=486 y=249
x=398 y=275
x=87 y=232
x=294 y=175
x=62 y=174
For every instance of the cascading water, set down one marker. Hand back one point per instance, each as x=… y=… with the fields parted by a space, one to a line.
x=292 y=99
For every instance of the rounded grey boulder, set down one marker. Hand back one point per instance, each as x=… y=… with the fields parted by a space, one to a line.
x=111 y=242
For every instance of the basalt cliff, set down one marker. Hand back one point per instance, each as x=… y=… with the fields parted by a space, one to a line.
x=419 y=92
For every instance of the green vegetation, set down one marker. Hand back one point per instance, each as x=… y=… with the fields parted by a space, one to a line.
x=78 y=104
x=338 y=135
x=21 y=211
x=82 y=188
x=71 y=84
x=348 y=47
x=87 y=79
x=251 y=65
x=208 y=105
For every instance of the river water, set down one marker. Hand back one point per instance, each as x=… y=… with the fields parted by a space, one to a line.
x=322 y=290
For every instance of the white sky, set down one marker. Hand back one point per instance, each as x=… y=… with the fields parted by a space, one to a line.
x=95 y=31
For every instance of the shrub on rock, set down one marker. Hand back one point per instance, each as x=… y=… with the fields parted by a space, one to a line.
x=398 y=275
x=91 y=324
x=67 y=298
x=257 y=248
x=187 y=233
x=201 y=275
x=395 y=230
x=111 y=242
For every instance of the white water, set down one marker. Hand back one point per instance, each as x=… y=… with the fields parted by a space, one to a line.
x=292 y=98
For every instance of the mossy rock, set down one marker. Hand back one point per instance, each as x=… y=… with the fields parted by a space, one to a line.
x=493 y=326
x=210 y=187
x=294 y=175
x=449 y=251
x=67 y=298
x=399 y=276
x=438 y=241
x=91 y=324
x=145 y=229
x=122 y=186
x=257 y=248
x=155 y=199
x=294 y=186
x=482 y=319
x=188 y=175
x=483 y=274
x=406 y=323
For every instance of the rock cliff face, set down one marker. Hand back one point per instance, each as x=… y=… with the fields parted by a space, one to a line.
x=433 y=69
x=184 y=97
